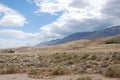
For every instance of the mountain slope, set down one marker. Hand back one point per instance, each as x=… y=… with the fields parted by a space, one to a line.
x=85 y=45
x=115 y=30
x=48 y=42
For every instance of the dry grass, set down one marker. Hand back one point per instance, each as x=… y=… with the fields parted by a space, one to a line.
x=10 y=70
x=60 y=70
x=112 y=71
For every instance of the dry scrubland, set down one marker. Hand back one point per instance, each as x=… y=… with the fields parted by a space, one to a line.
x=99 y=56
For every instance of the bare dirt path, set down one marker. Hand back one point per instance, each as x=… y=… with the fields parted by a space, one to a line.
x=72 y=77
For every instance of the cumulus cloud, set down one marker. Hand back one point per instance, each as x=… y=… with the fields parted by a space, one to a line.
x=9 y=43
x=111 y=11
x=51 y=6
x=78 y=15
x=10 y=17
x=18 y=34
x=16 y=38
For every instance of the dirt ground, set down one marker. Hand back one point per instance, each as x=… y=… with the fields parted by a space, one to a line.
x=66 y=77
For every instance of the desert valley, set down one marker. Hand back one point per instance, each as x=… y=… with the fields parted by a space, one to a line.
x=59 y=39
x=82 y=59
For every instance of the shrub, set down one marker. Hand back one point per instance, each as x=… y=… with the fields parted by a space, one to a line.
x=112 y=42
x=9 y=51
x=9 y=70
x=59 y=70
x=112 y=71
x=33 y=71
x=85 y=78
x=93 y=57
x=116 y=56
x=84 y=56
x=3 y=71
x=39 y=73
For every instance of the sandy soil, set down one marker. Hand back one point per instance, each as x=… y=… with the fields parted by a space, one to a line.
x=72 y=77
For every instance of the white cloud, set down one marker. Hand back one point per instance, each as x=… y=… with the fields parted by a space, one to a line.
x=18 y=34
x=9 y=43
x=111 y=11
x=51 y=6
x=16 y=38
x=78 y=15
x=10 y=17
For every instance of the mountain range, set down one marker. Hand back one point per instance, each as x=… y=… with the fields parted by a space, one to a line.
x=114 y=30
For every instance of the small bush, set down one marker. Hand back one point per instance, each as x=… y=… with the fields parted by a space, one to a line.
x=9 y=51
x=33 y=71
x=85 y=78
x=9 y=70
x=39 y=73
x=93 y=57
x=3 y=71
x=112 y=71
x=116 y=56
x=84 y=56
x=59 y=70
x=112 y=42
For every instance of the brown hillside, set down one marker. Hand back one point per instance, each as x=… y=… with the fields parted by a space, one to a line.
x=79 y=45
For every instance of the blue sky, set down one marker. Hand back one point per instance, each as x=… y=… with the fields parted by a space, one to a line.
x=27 y=9
x=28 y=22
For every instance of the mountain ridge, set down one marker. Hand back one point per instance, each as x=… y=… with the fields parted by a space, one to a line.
x=114 y=30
